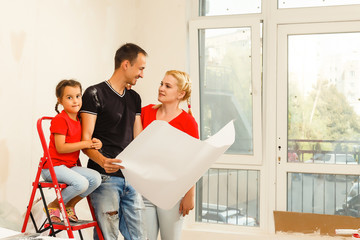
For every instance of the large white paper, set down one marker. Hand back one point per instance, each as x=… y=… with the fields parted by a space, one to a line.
x=163 y=163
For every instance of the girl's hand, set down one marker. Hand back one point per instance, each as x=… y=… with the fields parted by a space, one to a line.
x=96 y=143
x=88 y=144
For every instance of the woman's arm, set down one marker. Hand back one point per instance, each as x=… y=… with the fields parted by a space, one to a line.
x=188 y=202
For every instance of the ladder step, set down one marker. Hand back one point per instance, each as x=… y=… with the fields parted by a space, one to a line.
x=50 y=185
x=81 y=224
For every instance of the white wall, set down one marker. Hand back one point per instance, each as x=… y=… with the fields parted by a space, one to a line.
x=162 y=30
x=45 y=41
x=41 y=43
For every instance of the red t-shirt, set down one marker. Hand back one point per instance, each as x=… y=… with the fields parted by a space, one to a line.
x=184 y=121
x=64 y=125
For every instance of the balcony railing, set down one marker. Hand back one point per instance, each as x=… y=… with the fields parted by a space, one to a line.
x=300 y=150
x=337 y=194
x=228 y=196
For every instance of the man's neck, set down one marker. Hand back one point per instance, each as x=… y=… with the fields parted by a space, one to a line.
x=117 y=83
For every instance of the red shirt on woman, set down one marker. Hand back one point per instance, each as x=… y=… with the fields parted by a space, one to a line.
x=184 y=121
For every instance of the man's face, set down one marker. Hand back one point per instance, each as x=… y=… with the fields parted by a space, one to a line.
x=136 y=71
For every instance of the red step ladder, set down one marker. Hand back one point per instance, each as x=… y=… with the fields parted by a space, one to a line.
x=37 y=184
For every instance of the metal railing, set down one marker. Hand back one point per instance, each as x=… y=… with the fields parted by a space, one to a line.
x=307 y=149
x=333 y=194
x=228 y=196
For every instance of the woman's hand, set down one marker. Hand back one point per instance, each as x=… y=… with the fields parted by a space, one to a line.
x=188 y=202
x=96 y=143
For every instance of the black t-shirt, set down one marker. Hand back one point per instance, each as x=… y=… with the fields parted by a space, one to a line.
x=115 y=119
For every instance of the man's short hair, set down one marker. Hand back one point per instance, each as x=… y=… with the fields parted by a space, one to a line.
x=128 y=51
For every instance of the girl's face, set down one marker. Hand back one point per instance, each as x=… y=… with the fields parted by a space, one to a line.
x=71 y=100
x=169 y=91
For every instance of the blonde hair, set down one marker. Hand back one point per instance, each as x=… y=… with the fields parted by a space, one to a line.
x=183 y=84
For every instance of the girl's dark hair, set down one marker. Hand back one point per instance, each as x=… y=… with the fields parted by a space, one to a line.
x=59 y=91
x=128 y=51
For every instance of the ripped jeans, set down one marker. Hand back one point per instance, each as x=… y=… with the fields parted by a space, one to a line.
x=118 y=207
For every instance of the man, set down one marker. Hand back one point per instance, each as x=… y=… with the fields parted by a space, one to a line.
x=111 y=113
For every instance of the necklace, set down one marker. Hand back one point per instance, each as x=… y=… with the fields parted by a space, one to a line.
x=110 y=83
x=114 y=88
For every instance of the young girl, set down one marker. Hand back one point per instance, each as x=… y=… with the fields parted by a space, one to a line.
x=64 y=148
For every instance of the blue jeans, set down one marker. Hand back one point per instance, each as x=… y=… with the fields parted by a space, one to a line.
x=169 y=222
x=81 y=181
x=118 y=207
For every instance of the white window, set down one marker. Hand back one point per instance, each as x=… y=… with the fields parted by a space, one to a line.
x=314 y=3
x=321 y=159
x=229 y=7
x=227 y=84
x=281 y=76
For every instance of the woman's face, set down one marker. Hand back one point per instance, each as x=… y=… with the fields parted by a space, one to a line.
x=169 y=91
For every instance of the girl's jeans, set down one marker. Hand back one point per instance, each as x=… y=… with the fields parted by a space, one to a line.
x=81 y=181
x=118 y=207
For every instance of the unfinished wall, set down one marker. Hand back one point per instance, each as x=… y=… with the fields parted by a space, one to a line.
x=42 y=42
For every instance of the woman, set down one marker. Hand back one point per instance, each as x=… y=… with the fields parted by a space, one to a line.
x=174 y=88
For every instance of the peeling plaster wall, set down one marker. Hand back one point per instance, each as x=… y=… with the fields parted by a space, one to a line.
x=41 y=43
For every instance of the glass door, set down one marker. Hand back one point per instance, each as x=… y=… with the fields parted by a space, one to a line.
x=226 y=69
x=318 y=118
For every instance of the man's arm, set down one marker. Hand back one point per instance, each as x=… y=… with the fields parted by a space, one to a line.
x=137 y=126
x=88 y=124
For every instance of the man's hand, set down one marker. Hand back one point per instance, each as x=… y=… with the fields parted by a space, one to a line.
x=110 y=167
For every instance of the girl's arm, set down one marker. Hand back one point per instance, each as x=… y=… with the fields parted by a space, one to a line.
x=63 y=147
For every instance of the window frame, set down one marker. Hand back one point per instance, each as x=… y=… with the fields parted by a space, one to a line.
x=318 y=5
x=242 y=162
x=229 y=22
x=284 y=167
